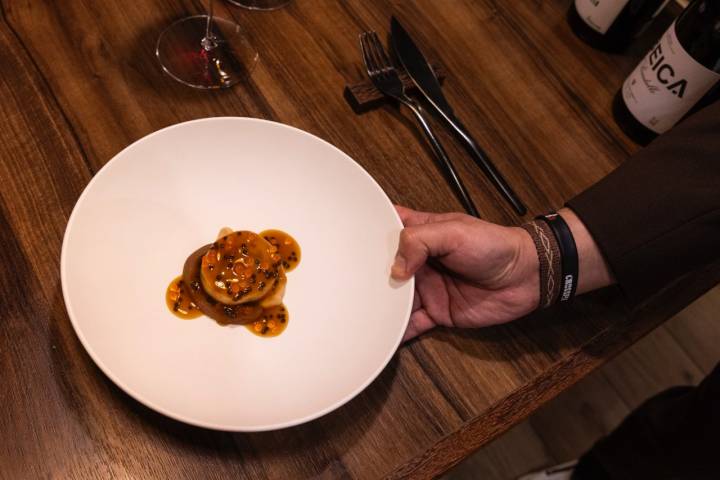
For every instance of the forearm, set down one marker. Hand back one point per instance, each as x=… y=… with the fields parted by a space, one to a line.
x=593 y=270
x=657 y=217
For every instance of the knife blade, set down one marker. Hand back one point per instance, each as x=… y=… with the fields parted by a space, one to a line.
x=422 y=74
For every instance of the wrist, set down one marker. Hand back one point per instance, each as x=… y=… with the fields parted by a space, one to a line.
x=569 y=260
x=527 y=268
x=593 y=270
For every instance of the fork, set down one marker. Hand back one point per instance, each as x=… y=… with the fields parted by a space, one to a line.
x=386 y=79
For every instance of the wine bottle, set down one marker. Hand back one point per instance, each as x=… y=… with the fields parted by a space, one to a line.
x=611 y=25
x=680 y=72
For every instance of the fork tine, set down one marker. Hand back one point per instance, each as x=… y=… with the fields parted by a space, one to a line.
x=363 y=49
x=370 y=65
x=377 y=50
x=384 y=60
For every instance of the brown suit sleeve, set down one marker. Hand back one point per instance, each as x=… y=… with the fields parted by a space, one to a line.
x=657 y=216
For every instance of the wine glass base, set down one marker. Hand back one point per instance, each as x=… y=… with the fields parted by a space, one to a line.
x=220 y=62
x=260 y=4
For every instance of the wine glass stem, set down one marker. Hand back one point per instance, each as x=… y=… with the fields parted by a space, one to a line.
x=209 y=42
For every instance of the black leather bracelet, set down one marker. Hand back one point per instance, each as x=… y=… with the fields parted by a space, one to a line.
x=568 y=254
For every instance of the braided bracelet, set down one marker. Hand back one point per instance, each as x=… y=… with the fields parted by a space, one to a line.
x=548 y=252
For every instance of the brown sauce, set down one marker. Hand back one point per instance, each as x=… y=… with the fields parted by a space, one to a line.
x=287 y=247
x=179 y=301
x=271 y=323
x=238 y=280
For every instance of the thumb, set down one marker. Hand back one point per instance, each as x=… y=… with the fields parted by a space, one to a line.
x=418 y=242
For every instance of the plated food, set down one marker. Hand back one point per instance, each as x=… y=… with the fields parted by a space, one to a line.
x=237 y=280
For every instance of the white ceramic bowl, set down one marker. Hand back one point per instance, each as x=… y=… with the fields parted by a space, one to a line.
x=169 y=193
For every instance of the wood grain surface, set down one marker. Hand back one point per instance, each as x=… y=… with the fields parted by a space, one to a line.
x=80 y=82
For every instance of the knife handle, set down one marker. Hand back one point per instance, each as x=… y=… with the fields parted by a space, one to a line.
x=486 y=165
x=445 y=162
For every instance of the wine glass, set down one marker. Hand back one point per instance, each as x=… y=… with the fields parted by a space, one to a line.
x=205 y=52
x=260 y=4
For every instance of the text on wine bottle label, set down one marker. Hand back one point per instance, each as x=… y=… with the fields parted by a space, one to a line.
x=666 y=84
x=599 y=14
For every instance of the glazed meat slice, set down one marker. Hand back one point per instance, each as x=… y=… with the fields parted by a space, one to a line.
x=240 y=267
x=224 y=314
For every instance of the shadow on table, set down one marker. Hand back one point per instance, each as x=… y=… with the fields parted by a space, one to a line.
x=86 y=390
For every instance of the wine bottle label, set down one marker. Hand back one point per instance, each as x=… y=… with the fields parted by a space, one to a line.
x=599 y=14
x=666 y=84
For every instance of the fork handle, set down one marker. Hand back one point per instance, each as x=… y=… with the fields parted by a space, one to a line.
x=445 y=162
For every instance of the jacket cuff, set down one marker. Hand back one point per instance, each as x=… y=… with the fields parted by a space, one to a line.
x=657 y=216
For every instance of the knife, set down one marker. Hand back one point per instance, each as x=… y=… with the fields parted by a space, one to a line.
x=424 y=78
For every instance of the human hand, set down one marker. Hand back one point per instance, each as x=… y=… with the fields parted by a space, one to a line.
x=480 y=273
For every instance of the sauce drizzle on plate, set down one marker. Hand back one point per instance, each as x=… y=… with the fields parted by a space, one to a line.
x=178 y=300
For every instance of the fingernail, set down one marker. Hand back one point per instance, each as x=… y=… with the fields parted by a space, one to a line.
x=398 y=268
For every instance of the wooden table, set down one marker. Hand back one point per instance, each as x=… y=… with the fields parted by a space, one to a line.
x=80 y=82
